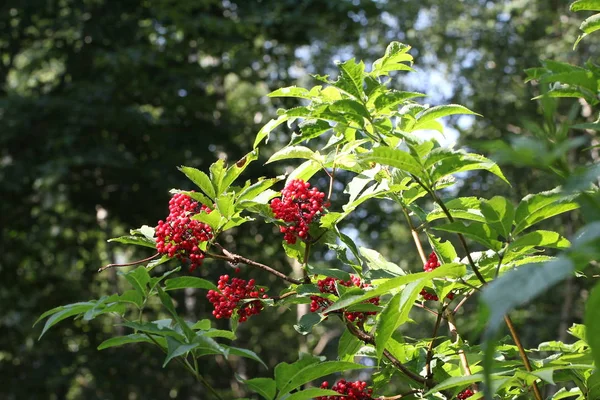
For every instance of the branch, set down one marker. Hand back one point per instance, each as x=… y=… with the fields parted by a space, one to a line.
x=511 y=328
x=236 y=259
x=461 y=353
x=429 y=356
x=400 y=396
x=129 y=264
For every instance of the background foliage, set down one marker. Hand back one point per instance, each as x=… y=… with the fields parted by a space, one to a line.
x=100 y=101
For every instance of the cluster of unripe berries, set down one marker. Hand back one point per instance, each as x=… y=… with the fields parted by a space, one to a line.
x=431 y=264
x=351 y=390
x=180 y=235
x=328 y=285
x=231 y=293
x=298 y=206
x=465 y=394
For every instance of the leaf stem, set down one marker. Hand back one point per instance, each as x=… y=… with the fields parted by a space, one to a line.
x=236 y=259
x=429 y=356
x=129 y=263
x=461 y=353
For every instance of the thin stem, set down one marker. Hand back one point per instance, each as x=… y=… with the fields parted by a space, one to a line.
x=414 y=233
x=365 y=337
x=305 y=262
x=429 y=310
x=515 y=336
x=129 y=264
x=462 y=240
x=236 y=259
x=332 y=175
x=429 y=356
x=461 y=353
x=463 y=301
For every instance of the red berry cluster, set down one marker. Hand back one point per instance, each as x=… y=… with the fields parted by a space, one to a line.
x=431 y=264
x=231 y=293
x=298 y=205
x=328 y=285
x=351 y=390
x=180 y=235
x=465 y=394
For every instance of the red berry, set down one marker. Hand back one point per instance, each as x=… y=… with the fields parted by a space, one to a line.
x=465 y=394
x=297 y=207
x=179 y=235
x=231 y=293
x=328 y=285
x=351 y=390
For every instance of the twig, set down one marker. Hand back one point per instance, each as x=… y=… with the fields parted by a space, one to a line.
x=305 y=262
x=461 y=353
x=513 y=332
x=129 y=264
x=429 y=356
x=426 y=309
x=463 y=301
x=236 y=259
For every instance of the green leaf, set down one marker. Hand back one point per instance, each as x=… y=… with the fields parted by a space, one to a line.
x=477 y=231
x=199 y=197
x=268 y=127
x=284 y=371
x=394 y=158
x=585 y=5
x=236 y=169
x=121 y=340
x=184 y=282
x=518 y=286
x=348 y=346
x=263 y=386
x=225 y=205
x=59 y=313
x=200 y=179
x=307 y=321
x=310 y=129
x=351 y=78
x=592 y=322
x=168 y=304
x=462 y=381
x=590 y=24
x=292 y=91
x=292 y=152
x=460 y=162
x=311 y=393
x=395 y=55
x=237 y=351
x=135 y=240
x=349 y=106
x=540 y=238
x=138 y=278
x=160 y=328
x=305 y=171
x=388 y=100
x=377 y=262
x=444 y=249
x=468 y=208
x=257 y=188
x=433 y=113
x=395 y=314
x=217 y=175
x=176 y=349
x=311 y=372
x=534 y=208
x=452 y=270
x=499 y=213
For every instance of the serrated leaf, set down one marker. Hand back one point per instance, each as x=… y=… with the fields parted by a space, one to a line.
x=121 y=340
x=477 y=231
x=237 y=168
x=388 y=100
x=200 y=179
x=395 y=55
x=452 y=270
x=537 y=207
x=263 y=386
x=310 y=129
x=160 y=328
x=292 y=152
x=540 y=238
x=135 y=240
x=394 y=158
x=499 y=213
x=585 y=5
x=60 y=313
x=268 y=127
x=348 y=346
x=590 y=24
x=351 y=78
x=237 y=351
x=307 y=321
x=311 y=373
x=433 y=113
x=257 y=188
x=461 y=162
x=284 y=371
x=305 y=171
x=377 y=262
x=311 y=393
x=292 y=91
x=395 y=314
x=184 y=282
